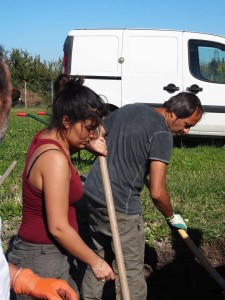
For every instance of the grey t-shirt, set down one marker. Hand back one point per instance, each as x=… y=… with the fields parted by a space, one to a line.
x=136 y=134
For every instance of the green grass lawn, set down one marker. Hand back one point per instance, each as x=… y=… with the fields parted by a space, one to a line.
x=196 y=182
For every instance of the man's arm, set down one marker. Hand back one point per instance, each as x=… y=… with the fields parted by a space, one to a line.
x=158 y=189
x=159 y=194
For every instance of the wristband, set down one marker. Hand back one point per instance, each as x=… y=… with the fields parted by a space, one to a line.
x=99 y=268
x=170 y=218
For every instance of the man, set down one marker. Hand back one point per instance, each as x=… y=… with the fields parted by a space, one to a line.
x=139 y=143
x=23 y=281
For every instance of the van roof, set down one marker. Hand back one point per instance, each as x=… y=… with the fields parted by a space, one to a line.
x=72 y=32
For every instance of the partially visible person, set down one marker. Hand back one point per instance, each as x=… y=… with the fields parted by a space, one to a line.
x=48 y=238
x=139 y=143
x=5 y=96
x=23 y=281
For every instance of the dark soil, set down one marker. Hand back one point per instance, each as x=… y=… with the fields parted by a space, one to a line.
x=172 y=272
x=176 y=274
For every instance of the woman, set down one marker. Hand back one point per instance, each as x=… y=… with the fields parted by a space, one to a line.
x=48 y=238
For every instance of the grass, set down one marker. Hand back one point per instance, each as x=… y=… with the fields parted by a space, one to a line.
x=196 y=182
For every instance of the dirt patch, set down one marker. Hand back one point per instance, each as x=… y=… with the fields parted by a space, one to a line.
x=177 y=274
x=30 y=98
x=172 y=272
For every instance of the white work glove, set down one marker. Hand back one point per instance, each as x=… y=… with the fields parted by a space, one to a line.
x=177 y=222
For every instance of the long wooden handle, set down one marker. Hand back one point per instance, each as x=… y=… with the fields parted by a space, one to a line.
x=7 y=172
x=202 y=259
x=114 y=228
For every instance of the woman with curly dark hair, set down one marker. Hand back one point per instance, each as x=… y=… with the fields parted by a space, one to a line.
x=48 y=238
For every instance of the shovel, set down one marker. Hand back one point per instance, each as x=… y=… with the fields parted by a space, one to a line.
x=114 y=228
x=202 y=259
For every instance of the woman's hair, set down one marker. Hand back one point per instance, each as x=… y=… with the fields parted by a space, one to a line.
x=183 y=105
x=76 y=101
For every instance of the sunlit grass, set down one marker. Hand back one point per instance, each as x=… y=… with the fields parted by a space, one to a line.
x=196 y=184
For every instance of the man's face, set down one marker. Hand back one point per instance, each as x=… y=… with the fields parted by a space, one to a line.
x=5 y=101
x=182 y=126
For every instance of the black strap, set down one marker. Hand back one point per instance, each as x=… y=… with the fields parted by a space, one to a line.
x=28 y=174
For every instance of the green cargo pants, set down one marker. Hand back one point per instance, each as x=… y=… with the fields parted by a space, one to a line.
x=132 y=238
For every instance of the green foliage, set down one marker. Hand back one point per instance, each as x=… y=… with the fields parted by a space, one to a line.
x=214 y=70
x=10 y=209
x=38 y=75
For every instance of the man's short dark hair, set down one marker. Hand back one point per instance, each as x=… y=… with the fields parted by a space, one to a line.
x=183 y=105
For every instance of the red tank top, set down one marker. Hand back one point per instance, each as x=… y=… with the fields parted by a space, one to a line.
x=34 y=228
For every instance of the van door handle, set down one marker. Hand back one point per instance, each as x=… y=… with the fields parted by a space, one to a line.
x=194 y=88
x=171 y=88
x=121 y=60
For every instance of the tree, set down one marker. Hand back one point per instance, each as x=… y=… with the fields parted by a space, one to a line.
x=38 y=75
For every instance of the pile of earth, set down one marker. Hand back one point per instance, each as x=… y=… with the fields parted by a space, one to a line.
x=19 y=97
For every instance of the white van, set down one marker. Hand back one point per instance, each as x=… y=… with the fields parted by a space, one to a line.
x=149 y=66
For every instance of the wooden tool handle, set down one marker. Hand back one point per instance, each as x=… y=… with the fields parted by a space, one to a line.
x=202 y=259
x=7 y=172
x=114 y=228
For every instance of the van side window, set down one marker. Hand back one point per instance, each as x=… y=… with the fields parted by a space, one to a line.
x=207 y=61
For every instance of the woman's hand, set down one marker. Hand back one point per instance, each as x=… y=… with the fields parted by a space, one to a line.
x=98 y=146
x=103 y=271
